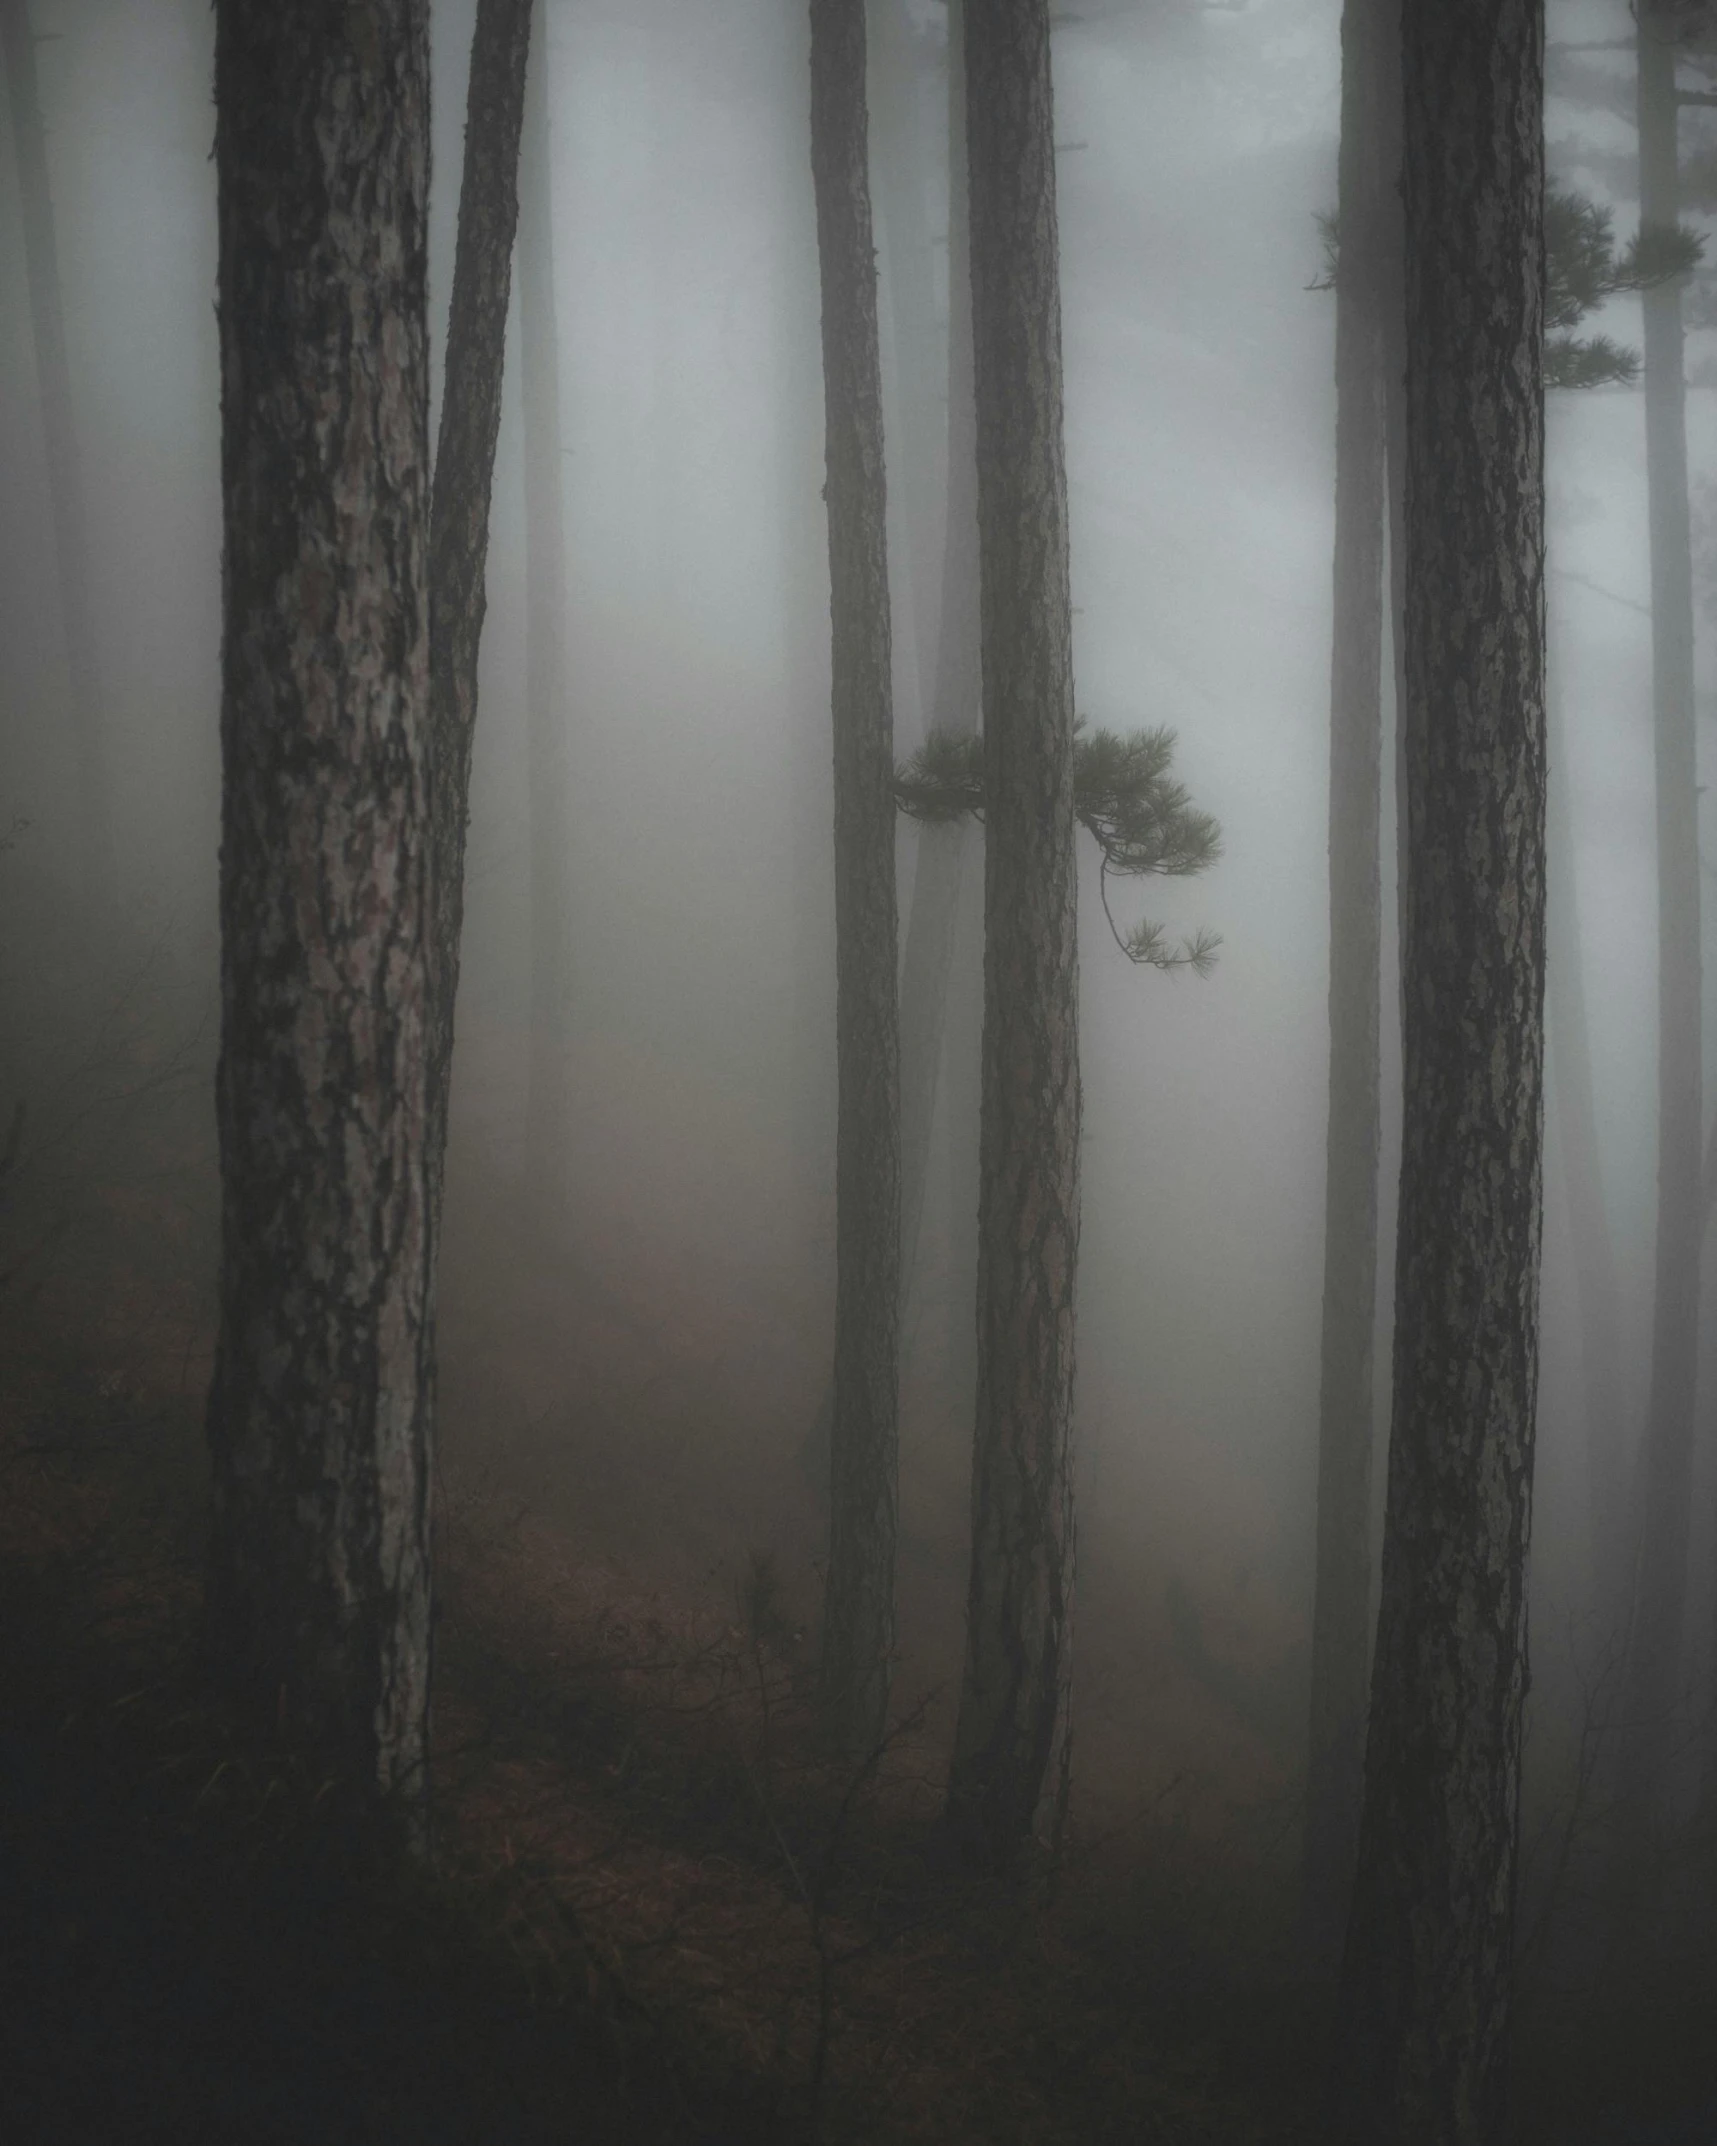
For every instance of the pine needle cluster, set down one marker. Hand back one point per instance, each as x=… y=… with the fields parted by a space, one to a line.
x=1143 y=822
x=1582 y=268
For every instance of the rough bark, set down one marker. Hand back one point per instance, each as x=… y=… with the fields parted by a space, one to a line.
x=319 y=1417
x=464 y=472
x=65 y=477
x=1341 y=1620
x=548 y=1097
x=858 y=1618
x=1010 y=1755
x=1666 y=1455
x=1422 y=2036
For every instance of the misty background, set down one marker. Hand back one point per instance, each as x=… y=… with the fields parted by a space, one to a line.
x=636 y=1330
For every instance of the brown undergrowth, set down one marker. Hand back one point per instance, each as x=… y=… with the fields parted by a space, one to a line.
x=657 y=1910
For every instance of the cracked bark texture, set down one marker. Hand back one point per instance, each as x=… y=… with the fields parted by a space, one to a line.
x=464 y=474
x=319 y=1416
x=1367 y=283
x=1422 y=2037
x=1009 y=1773
x=858 y=1616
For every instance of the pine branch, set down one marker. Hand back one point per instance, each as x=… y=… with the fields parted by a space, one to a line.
x=1144 y=823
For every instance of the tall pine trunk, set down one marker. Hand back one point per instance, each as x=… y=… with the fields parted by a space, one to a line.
x=464 y=473
x=65 y=477
x=548 y=1094
x=1666 y=1457
x=858 y=1623
x=1341 y=1621
x=1422 y=2036
x=319 y=1417
x=1009 y=1772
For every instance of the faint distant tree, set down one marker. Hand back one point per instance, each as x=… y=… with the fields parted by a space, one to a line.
x=858 y=1618
x=65 y=477
x=319 y=1415
x=464 y=473
x=1367 y=293
x=548 y=1098
x=1655 y=1637
x=1009 y=1772
x=932 y=927
x=1422 y=2031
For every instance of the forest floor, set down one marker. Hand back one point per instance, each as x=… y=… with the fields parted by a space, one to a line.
x=654 y=1911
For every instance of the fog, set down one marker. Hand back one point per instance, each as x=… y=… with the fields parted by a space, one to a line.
x=636 y=1332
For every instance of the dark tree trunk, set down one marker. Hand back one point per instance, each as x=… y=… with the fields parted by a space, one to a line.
x=858 y=1620
x=1341 y=1622
x=464 y=471
x=1666 y=1455
x=65 y=478
x=1010 y=1754
x=319 y=1418
x=1422 y=2036
x=548 y=1094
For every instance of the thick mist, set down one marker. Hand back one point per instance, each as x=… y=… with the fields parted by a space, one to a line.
x=636 y=1332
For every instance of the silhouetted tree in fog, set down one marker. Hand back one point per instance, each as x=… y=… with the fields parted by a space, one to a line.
x=1367 y=290
x=65 y=478
x=1010 y=1752
x=319 y=1417
x=1666 y=1455
x=546 y=677
x=858 y=1616
x=464 y=472
x=1422 y=2033
x=952 y=711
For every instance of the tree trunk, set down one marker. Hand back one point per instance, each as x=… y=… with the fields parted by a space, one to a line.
x=1341 y=1619
x=65 y=479
x=1573 y=1108
x=1010 y=1754
x=913 y=345
x=548 y=1095
x=858 y=1622
x=1666 y=1456
x=933 y=919
x=464 y=471
x=1425 y=1983
x=319 y=1417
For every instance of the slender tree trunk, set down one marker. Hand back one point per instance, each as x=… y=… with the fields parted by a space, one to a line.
x=933 y=918
x=1341 y=1619
x=1422 y=2036
x=464 y=472
x=1574 y=1110
x=913 y=341
x=1666 y=1457
x=65 y=478
x=319 y=1418
x=548 y=1095
x=1010 y=1753
x=858 y=1624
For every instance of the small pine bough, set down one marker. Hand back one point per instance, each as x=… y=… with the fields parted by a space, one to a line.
x=1143 y=822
